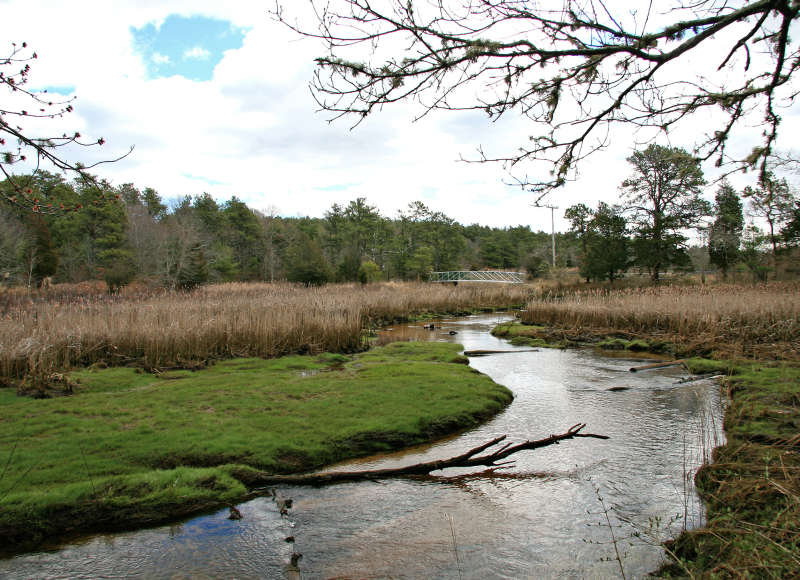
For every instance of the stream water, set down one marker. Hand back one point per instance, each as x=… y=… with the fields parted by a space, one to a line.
x=563 y=511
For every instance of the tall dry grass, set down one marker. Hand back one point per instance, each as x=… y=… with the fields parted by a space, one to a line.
x=732 y=314
x=71 y=326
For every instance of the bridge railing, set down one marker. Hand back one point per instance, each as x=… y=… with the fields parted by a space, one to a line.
x=478 y=276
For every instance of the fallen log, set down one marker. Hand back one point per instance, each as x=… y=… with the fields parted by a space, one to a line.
x=485 y=352
x=472 y=458
x=661 y=365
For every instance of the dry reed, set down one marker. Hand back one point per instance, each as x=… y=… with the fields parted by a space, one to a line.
x=70 y=328
x=730 y=314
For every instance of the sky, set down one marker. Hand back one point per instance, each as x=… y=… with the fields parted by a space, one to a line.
x=214 y=97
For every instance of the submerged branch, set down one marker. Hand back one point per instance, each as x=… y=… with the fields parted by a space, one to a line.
x=471 y=458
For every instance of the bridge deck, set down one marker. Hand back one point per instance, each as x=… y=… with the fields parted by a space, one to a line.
x=478 y=276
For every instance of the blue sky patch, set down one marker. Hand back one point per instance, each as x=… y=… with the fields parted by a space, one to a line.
x=190 y=47
x=58 y=91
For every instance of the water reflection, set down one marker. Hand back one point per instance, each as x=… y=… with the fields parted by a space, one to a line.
x=542 y=519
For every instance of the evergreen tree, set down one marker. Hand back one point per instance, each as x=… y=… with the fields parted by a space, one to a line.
x=209 y=213
x=663 y=199
x=607 y=248
x=195 y=271
x=791 y=232
x=306 y=264
x=46 y=258
x=753 y=254
x=152 y=201
x=725 y=236
x=579 y=216
x=244 y=234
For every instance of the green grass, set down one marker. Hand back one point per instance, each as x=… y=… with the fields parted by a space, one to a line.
x=521 y=334
x=636 y=345
x=752 y=488
x=526 y=335
x=130 y=448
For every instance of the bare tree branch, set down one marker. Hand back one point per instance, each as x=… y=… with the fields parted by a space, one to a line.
x=574 y=71
x=14 y=71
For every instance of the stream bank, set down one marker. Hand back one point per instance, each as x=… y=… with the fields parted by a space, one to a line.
x=751 y=490
x=751 y=484
x=129 y=449
x=544 y=518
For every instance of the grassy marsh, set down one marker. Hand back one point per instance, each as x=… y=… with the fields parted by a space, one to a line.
x=43 y=332
x=731 y=320
x=130 y=448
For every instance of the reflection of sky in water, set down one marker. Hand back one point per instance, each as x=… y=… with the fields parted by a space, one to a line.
x=541 y=519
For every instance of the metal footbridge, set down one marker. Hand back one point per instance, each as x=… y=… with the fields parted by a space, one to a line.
x=478 y=276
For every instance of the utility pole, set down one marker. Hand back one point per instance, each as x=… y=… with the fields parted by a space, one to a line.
x=552 y=209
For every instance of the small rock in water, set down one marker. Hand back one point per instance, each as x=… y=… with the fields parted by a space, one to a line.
x=289 y=539
x=284 y=505
x=452 y=333
x=615 y=389
x=235 y=514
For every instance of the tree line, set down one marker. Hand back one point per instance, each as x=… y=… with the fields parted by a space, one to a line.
x=661 y=204
x=122 y=233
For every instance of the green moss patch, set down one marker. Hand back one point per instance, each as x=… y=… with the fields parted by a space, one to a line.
x=527 y=335
x=636 y=345
x=130 y=448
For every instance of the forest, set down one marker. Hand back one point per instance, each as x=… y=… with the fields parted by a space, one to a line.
x=124 y=233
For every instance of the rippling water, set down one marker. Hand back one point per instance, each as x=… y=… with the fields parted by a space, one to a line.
x=545 y=518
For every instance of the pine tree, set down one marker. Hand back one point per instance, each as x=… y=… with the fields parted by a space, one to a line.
x=663 y=199
x=725 y=236
x=608 y=243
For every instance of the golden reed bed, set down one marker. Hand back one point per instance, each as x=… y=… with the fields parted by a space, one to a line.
x=43 y=332
x=747 y=320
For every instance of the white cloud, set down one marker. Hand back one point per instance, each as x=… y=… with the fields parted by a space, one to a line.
x=253 y=130
x=159 y=58
x=197 y=52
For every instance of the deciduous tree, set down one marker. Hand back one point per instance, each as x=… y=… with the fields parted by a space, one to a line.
x=772 y=200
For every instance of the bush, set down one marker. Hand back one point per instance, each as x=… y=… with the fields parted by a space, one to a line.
x=369 y=272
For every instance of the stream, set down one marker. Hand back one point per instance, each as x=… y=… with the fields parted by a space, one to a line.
x=582 y=509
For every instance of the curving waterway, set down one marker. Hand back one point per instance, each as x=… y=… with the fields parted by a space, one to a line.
x=564 y=511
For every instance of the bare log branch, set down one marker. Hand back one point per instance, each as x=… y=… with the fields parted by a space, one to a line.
x=472 y=458
x=660 y=365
